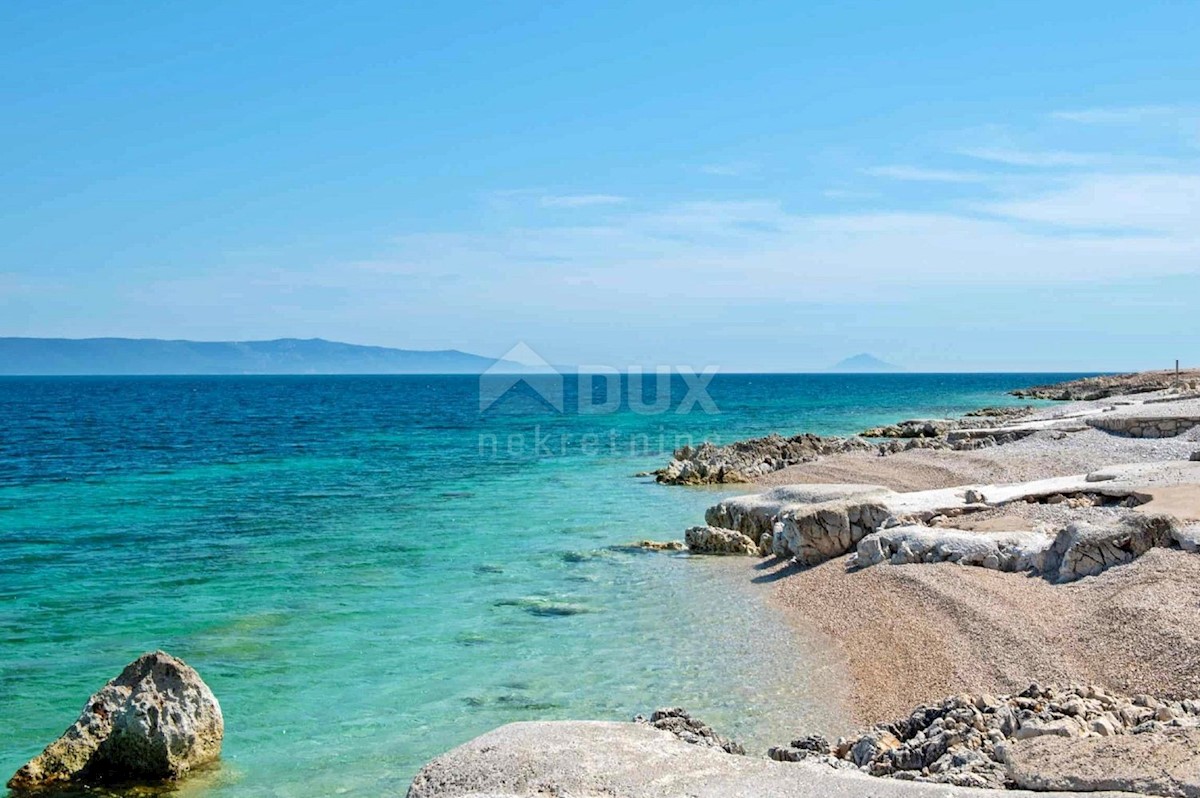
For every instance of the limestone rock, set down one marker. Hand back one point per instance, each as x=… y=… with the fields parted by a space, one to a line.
x=155 y=721
x=1062 y=727
x=1044 y=735
x=1092 y=388
x=677 y=721
x=715 y=540
x=745 y=461
x=1147 y=764
x=1084 y=549
x=634 y=760
x=660 y=545
x=998 y=551
x=914 y=428
x=757 y=514
x=815 y=533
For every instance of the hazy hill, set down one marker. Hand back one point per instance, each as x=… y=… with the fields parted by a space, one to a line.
x=864 y=363
x=61 y=356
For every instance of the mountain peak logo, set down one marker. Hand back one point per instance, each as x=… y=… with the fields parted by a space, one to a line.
x=516 y=366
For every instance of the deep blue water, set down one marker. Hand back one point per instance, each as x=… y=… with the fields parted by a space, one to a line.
x=368 y=570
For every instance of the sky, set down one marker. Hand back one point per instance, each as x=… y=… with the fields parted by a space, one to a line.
x=757 y=186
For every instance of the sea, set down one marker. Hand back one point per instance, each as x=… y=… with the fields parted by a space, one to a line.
x=370 y=570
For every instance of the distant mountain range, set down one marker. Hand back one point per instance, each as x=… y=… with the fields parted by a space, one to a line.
x=128 y=356
x=864 y=364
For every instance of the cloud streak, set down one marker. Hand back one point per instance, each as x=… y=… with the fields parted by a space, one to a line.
x=922 y=175
x=1120 y=115
x=580 y=200
x=733 y=169
x=1047 y=159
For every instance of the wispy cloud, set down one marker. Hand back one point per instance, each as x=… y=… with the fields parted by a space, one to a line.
x=580 y=200
x=1166 y=205
x=1119 y=115
x=1048 y=158
x=733 y=169
x=964 y=233
x=919 y=174
x=848 y=194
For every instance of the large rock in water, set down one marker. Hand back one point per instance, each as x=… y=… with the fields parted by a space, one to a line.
x=154 y=722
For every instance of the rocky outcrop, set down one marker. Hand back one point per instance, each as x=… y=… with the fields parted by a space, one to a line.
x=636 y=760
x=942 y=427
x=756 y=514
x=815 y=533
x=1080 y=549
x=1084 y=549
x=154 y=722
x=691 y=730
x=913 y=428
x=1160 y=763
x=911 y=543
x=748 y=460
x=1092 y=388
x=1001 y=413
x=814 y=523
x=989 y=742
x=715 y=540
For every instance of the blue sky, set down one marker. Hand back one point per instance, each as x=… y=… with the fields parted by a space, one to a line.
x=757 y=185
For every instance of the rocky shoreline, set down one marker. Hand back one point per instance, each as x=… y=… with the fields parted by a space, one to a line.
x=1073 y=563
x=1090 y=389
x=750 y=460
x=1039 y=739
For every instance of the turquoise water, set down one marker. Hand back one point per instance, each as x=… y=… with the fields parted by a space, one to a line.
x=365 y=581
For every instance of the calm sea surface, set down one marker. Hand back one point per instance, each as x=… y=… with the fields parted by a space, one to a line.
x=369 y=570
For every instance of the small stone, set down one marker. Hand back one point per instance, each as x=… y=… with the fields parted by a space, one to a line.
x=1063 y=727
x=872 y=745
x=985 y=701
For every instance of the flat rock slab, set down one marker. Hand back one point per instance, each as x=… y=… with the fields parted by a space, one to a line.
x=1151 y=764
x=586 y=759
x=1181 y=501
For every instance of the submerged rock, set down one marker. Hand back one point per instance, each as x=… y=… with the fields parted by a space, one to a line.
x=659 y=545
x=154 y=722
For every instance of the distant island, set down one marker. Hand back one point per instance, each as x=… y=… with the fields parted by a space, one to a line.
x=864 y=364
x=148 y=356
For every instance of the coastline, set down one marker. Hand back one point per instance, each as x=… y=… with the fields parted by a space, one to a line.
x=950 y=629
x=914 y=634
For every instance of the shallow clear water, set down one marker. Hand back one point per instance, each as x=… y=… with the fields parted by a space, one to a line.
x=365 y=581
